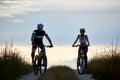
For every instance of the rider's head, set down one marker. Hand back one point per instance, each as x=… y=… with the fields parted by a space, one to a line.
x=40 y=26
x=82 y=30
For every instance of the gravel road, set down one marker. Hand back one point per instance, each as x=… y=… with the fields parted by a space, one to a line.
x=84 y=76
x=31 y=76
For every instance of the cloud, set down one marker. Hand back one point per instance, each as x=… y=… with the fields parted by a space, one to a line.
x=80 y=4
x=15 y=7
x=16 y=20
x=12 y=8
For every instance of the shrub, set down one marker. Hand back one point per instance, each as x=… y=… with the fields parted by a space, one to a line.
x=106 y=67
x=59 y=73
x=12 y=66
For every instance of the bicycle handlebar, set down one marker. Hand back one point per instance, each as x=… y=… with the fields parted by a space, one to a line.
x=79 y=45
x=48 y=46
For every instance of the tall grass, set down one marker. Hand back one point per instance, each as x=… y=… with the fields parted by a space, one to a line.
x=107 y=66
x=12 y=66
x=59 y=73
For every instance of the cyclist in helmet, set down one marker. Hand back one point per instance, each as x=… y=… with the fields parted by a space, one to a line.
x=37 y=40
x=84 y=40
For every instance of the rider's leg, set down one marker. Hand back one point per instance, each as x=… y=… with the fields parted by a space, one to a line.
x=86 y=59
x=79 y=52
x=33 y=53
x=78 y=58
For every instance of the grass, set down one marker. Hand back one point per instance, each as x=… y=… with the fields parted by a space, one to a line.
x=106 y=67
x=59 y=73
x=12 y=66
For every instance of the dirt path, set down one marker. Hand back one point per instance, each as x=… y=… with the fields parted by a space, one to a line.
x=31 y=76
x=84 y=76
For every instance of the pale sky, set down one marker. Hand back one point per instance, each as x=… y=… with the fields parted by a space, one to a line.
x=62 y=20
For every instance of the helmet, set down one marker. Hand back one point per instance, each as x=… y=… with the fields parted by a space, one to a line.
x=82 y=29
x=40 y=26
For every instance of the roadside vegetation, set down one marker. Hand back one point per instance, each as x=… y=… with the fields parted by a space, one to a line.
x=59 y=73
x=12 y=65
x=107 y=66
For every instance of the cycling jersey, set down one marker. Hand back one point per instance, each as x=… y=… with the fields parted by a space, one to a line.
x=38 y=36
x=83 y=41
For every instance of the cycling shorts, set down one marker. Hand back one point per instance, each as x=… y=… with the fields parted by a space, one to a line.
x=41 y=46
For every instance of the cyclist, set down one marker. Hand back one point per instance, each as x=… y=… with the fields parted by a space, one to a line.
x=84 y=40
x=37 y=41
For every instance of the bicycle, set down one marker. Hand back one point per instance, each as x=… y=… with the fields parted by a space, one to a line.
x=40 y=62
x=81 y=60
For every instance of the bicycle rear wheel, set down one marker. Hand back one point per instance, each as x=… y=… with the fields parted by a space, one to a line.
x=43 y=64
x=81 y=64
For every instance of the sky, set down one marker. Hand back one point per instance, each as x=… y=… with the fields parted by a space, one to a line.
x=62 y=20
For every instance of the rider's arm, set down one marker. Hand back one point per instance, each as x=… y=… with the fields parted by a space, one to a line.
x=87 y=40
x=48 y=38
x=75 y=41
x=32 y=37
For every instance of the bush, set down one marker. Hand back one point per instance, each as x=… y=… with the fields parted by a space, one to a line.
x=106 y=67
x=12 y=66
x=59 y=73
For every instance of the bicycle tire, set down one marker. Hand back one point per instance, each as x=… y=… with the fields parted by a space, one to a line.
x=43 y=64
x=81 y=64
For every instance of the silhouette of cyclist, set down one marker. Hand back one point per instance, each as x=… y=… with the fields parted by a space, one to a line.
x=37 y=41
x=84 y=40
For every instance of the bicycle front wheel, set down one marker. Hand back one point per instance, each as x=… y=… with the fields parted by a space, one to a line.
x=43 y=64
x=80 y=65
